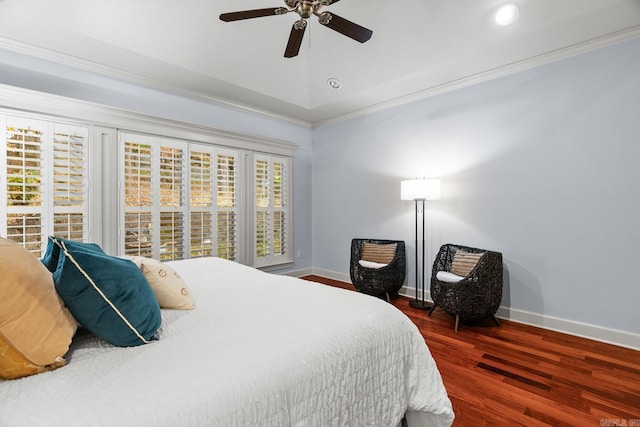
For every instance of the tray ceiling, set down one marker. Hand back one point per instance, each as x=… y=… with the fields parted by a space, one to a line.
x=422 y=46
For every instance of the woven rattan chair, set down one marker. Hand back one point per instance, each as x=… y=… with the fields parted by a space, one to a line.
x=384 y=282
x=476 y=296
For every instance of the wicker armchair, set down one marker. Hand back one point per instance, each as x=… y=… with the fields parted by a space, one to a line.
x=383 y=282
x=477 y=295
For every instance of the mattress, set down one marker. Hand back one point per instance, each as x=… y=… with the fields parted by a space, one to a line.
x=258 y=350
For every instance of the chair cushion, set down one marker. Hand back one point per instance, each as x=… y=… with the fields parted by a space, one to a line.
x=382 y=254
x=464 y=262
x=371 y=264
x=445 y=276
x=35 y=327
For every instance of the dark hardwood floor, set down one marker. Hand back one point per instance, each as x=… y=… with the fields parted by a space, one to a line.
x=519 y=375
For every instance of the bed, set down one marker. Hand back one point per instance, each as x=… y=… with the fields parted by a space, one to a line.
x=258 y=350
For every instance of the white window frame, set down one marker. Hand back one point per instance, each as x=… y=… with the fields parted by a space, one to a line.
x=215 y=209
x=156 y=143
x=48 y=207
x=154 y=208
x=270 y=258
x=141 y=208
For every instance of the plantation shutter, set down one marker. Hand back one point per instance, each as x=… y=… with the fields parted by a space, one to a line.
x=45 y=192
x=262 y=219
x=227 y=204
x=138 y=195
x=172 y=180
x=25 y=166
x=180 y=199
x=154 y=195
x=201 y=175
x=272 y=210
x=69 y=182
x=213 y=183
x=280 y=218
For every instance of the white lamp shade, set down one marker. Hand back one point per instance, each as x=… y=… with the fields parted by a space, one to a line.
x=420 y=189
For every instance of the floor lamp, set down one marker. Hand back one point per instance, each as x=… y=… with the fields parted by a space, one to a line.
x=420 y=190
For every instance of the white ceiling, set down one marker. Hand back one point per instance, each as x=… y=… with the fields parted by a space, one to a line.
x=418 y=46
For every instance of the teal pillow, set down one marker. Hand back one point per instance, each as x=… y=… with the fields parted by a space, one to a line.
x=52 y=254
x=109 y=296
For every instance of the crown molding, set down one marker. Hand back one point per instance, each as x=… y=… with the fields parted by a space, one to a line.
x=104 y=70
x=512 y=68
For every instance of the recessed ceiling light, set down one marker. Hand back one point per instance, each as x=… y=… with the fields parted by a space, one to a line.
x=334 y=83
x=507 y=14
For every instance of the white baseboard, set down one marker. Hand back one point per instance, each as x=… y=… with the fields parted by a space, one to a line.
x=584 y=330
x=299 y=272
x=571 y=327
x=411 y=293
x=332 y=275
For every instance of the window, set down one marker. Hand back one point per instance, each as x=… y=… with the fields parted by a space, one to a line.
x=214 y=202
x=46 y=187
x=201 y=169
x=140 y=193
x=272 y=210
x=180 y=199
x=138 y=197
x=227 y=206
x=173 y=209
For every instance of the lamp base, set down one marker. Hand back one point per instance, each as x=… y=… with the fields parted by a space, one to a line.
x=420 y=305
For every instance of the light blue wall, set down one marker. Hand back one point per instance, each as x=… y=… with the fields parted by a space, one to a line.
x=36 y=74
x=540 y=165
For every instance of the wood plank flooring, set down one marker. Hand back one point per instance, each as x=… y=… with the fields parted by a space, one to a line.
x=519 y=375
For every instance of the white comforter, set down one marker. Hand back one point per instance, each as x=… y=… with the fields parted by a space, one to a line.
x=258 y=350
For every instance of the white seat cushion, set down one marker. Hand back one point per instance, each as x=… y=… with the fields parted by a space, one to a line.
x=445 y=276
x=371 y=264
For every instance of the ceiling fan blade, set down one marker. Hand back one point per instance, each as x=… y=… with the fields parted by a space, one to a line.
x=295 y=40
x=248 y=14
x=346 y=27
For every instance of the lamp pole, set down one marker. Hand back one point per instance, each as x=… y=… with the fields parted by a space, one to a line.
x=420 y=303
x=420 y=190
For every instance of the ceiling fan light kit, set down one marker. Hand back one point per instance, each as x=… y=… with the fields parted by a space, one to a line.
x=305 y=9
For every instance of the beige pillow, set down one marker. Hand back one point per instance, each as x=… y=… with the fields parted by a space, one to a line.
x=35 y=327
x=464 y=262
x=170 y=289
x=382 y=254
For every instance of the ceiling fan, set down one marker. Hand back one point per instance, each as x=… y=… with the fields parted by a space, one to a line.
x=304 y=8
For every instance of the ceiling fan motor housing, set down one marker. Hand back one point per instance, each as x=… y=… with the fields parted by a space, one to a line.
x=305 y=9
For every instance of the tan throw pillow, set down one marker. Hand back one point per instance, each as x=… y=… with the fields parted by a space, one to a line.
x=170 y=289
x=382 y=254
x=14 y=365
x=464 y=262
x=35 y=327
